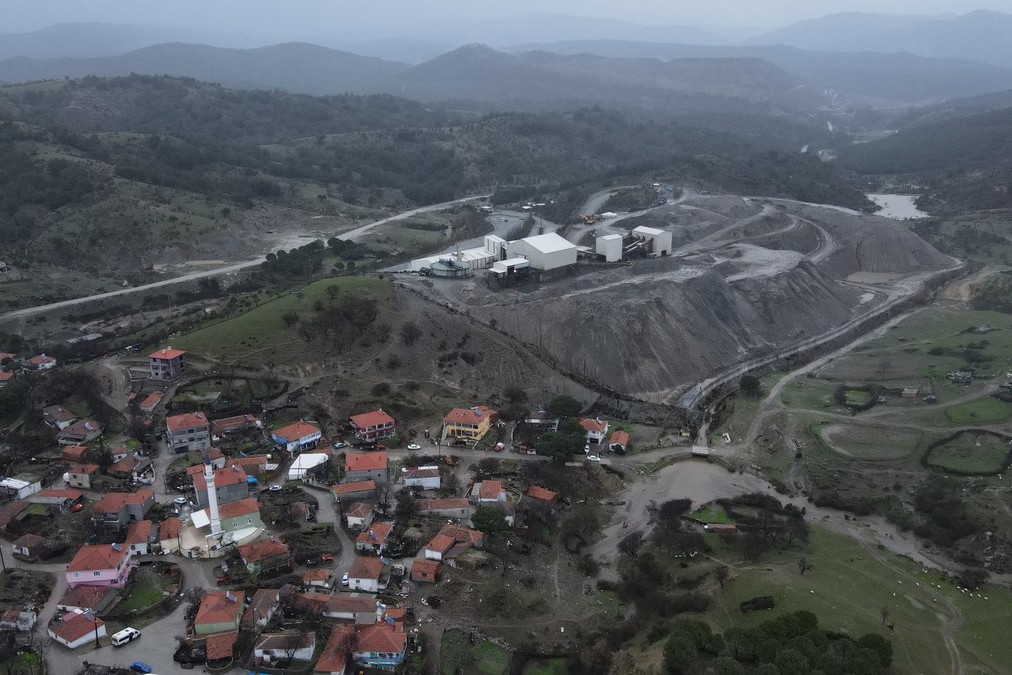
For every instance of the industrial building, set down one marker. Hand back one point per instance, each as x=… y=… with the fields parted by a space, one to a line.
x=541 y=252
x=656 y=242
x=609 y=246
x=544 y=251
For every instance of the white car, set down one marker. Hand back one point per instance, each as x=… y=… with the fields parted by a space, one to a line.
x=179 y=501
x=344 y=579
x=593 y=458
x=414 y=446
x=275 y=488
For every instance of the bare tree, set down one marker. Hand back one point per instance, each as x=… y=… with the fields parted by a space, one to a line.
x=803 y=566
x=721 y=573
x=410 y=332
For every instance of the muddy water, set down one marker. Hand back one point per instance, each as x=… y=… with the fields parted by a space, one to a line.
x=897 y=207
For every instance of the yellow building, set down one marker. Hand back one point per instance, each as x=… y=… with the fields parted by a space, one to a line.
x=469 y=423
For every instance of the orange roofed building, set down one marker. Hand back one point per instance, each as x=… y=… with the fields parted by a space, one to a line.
x=373 y=425
x=361 y=466
x=187 y=432
x=469 y=423
x=166 y=364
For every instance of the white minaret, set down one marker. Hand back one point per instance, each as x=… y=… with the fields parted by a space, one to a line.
x=212 y=499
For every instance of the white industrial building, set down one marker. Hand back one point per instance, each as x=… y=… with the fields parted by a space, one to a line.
x=657 y=242
x=609 y=246
x=493 y=248
x=502 y=268
x=544 y=251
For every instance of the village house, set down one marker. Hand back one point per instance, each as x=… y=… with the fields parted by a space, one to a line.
x=100 y=565
x=421 y=477
x=452 y=541
x=596 y=429
x=460 y=509
x=96 y=599
x=438 y=547
x=358 y=608
x=374 y=539
x=335 y=655
x=354 y=491
x=58 y=501
x=424 y=570
x=365 y=574
x=18 y=620
x=76 y=629
x=6 y=377
x=297 y=437
x=132 y=466
x=140 y=535
x=469 y=423
x=372 y=426
x=28 y=547
x=284 y=647
x=40 y=362
x=232 y=425
x=540 y=494
x=244 y=514
x=266 y=555
x=166 y=364
x=58 y=417
x=254 y=465
x=117 y=509
x=190 y=431
x=169 y=531
x=619 y=442
x=361 y=466
x=219 y=612
x=318 y=579
x=83 y=475
x=150 y=402
x=381 y=646
x=18 y=488
x=261 y=609
x=359 y=515
x=489 y=493
x=229 y=485
x=80 y=432
x=75 y=454
x=12 y=512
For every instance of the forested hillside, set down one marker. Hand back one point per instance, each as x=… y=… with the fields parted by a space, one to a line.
x=115 y=173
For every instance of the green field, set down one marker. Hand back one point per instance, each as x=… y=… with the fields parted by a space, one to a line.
x=982 y=411
x=711 y=514
x=261 y=334
x=847 y=587
x=809 y=394
x=458 y=655
x=871 y=443
x=970 y=453
x=546 y=667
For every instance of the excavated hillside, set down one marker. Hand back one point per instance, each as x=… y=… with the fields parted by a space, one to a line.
x=747 y=278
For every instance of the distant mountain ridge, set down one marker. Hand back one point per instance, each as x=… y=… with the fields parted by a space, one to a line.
x=981 y=35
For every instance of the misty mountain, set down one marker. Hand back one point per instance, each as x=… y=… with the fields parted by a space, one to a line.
x=293 y=67
x=897 y=77
x=104 y=39
x=978 y=36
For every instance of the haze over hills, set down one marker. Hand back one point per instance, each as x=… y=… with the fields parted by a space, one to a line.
x=977 y=36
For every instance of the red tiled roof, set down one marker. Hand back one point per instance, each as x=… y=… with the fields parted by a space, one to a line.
x=376 y=535
x=81 y=429
x=169 y=529
x=6 y=375
x=440 y=504
x=262 y=550
x=597 y=426
x=239 y=508
x=417 y=473
x=227 y=424
x=345 y=603
x=75 y=626
x=217 y=608
x=461 y=534
x=166 y=354
x=263 y=604
x=41 y=359
x=371 y=419
x=334 y=656
x=84 y=469
x=365 y=461
x=86 y=597
x=542 y=495
x=473 y=415
x=310 y=576
x=220 y=645
x=125 y=465
x=295 y=432
x=440 y=544
x=74 y=453
x=352 y=488
x=139 y=532
x=310 y=602
x=113 y=502
x=254 y=464
x=186 y=421
x=619 y=437
x=10 y=511
x=382 y=638
x=490 y=490
x=59 y=413
x=151 y=400
x=366 y=568
x=222 y=477
x=97 y=557
x=359 y=510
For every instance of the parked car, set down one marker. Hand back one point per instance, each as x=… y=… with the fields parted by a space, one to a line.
x=77 y=508
x=593 y=458
x=339 y=445
x=275 y=488
x=140 y=667
x=344 y=579
x=414 y=446
x=124 y=636
x=179 y=501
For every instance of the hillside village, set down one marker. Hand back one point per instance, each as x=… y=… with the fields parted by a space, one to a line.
x=263 y=539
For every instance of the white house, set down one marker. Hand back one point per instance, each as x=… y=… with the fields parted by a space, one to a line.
x=365 y=574
x=297 y=437
x=16 y=488
x=609 y=246
x=596 y=429
x=77 y=628
x=304 y=463
x=423 y=477
x=272 y=647
x=545 y=251
x=359 y=515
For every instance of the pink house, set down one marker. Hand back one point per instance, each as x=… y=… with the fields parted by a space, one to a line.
x=100 y=565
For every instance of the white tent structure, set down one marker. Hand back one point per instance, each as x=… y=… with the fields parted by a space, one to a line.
x=304 y=463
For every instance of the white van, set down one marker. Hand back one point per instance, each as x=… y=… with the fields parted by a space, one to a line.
x=124 y=636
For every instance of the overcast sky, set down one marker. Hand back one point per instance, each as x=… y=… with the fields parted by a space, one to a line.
x=306 y=17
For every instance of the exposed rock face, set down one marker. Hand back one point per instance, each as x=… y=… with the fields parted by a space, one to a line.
x=656 y=332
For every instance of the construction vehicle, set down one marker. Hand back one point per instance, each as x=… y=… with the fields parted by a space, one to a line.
x=589 y=220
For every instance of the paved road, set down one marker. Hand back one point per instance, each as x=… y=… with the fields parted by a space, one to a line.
x=354 y=235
